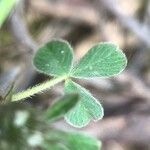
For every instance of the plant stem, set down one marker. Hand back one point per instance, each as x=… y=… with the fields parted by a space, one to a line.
x=38 y=88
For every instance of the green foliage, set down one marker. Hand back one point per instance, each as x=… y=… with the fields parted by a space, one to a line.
x=18 y=123
x=102 y=60
x=24 y=128
x=5 y=8
x=88 y=107
x=61 y=107
x=54 y=58
x=71 y=141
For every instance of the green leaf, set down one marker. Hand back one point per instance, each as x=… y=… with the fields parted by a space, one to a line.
x=86 y=109
x=55 y=147
x=102 y=60
x=61 y=107
x=54 y=58
x=72 y=141
x=5 y=8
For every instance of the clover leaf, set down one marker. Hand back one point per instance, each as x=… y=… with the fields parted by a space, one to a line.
x=102 y=60
x=86 y=109
x=54 y=58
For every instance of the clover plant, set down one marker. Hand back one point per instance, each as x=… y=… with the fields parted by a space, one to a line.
x=55 y=58
x=23 y=127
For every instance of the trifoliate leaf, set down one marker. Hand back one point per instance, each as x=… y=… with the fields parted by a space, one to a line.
x=102 y=60
x=54 y=58
x=61 y=107
x=86 y=109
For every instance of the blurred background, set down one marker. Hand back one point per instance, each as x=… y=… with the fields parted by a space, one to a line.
x=126 y=98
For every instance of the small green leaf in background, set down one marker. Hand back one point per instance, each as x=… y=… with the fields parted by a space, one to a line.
x=102 y=60
x=86 y=109
x=54 y=58
x=5 y=8
x=57 y=146
x=61 y=107
x=71 y=141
